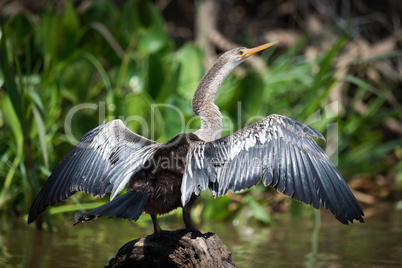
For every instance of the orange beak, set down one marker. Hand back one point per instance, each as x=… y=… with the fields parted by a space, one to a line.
x=250 y=51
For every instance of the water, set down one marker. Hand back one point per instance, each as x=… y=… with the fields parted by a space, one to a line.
x=301 y=242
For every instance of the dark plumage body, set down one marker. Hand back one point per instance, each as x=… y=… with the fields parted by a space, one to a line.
x=162 y=174
x=161 y=177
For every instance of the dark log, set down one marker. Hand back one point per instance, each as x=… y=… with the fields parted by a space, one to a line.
x=181 y=248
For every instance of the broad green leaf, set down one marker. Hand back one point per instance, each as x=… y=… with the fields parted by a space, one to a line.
x=70 y=18
x=103 y=11
x=191 y=70
x=137 y=110
x=216 y=209
x=251 y=92
x=155 y=75
x=170 y=84
x=173 y=117
x=154 y=38
x=259 y=212
x=145 y=16
x=129 y=18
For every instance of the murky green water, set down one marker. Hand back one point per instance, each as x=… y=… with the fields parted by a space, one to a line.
x=302 y=242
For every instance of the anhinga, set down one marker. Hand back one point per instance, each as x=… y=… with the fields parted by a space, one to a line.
x=163 y=176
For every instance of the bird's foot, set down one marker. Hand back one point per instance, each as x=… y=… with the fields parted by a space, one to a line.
x=194 y=230
x=191 y=228
x=157 y=228
x=158 y=231
x=157 y=234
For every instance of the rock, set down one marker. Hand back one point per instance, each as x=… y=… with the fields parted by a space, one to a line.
x=181 y=248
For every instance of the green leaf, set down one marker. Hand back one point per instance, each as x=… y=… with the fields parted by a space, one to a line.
x=145 y=15
x=103 y=11
x=191 y=70
x=323 y=80
x=9 y=75
x=49 y=35
x=155 y=75
x=20 y=29
x=129 y=19
x=11 y=120
x=70 y=18
x=5 y=194
x=216 y=209
x=363 y=84
x=155 y=38
x=259 y=212
x=137 y=109
x=252 y=91
x=96 y=63
x=77 y=77
x=40 y=125
x=170 y=84
x=36 y=99
x=56 y=35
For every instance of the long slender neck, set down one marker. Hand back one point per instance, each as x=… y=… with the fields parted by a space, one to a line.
x=204 y=96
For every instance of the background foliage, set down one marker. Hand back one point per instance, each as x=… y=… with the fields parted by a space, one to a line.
x=120 y=58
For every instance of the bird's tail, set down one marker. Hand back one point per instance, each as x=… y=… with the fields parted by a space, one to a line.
x=128 y=206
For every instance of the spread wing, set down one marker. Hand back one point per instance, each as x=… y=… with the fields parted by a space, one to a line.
x=280 y=152
x=102 y=161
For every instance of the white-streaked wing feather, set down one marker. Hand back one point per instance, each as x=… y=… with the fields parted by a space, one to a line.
x=280 y=152
x=102 y=161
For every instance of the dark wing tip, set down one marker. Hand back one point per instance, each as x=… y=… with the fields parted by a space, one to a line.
x=358 y=217
x=346 y=219
x=35 y=210
x=31 y=217
x=39 y=205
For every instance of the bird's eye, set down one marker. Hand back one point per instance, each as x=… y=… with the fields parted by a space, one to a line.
x=240 y=52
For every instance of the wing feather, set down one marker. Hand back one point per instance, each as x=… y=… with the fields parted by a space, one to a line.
x=289 y=188
x=310 y=180
x=297 y=175
x=102 y=161
x=268 y=169
x=277 y=160
x=282 y=153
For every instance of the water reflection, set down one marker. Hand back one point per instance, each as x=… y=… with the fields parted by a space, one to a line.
x=308 y=242
x=301 y=242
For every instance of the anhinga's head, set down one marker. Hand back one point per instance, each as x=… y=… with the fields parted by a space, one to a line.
x=238 y=55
